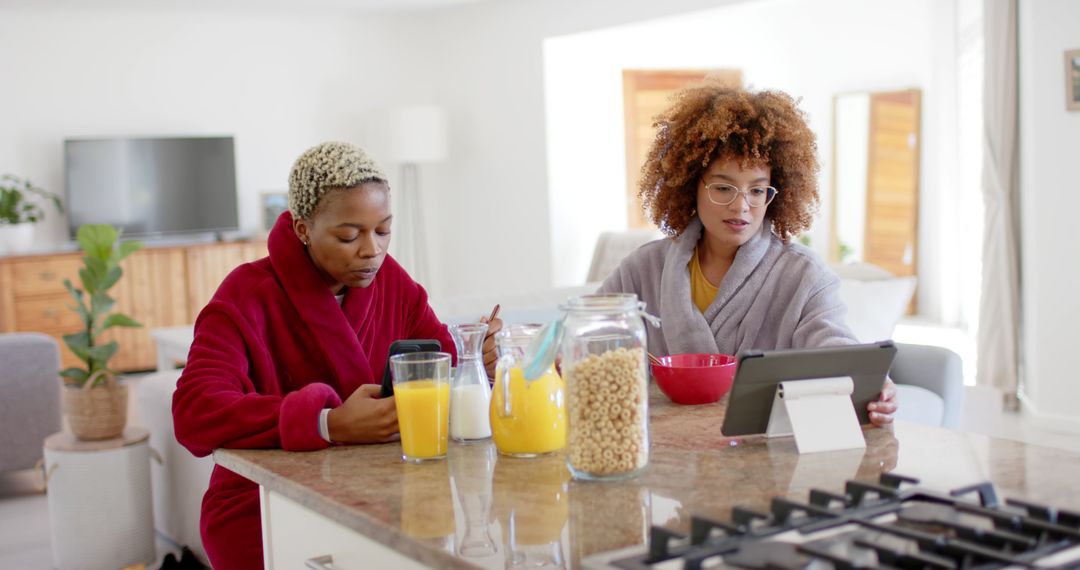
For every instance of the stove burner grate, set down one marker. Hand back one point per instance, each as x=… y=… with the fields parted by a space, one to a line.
x=890 y=523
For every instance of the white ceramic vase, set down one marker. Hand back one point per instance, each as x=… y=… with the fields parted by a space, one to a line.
x=16 y=238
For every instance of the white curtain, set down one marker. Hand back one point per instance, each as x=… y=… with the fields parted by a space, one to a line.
x=999 y=318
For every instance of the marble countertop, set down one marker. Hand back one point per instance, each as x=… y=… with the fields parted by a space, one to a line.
x=480 y=510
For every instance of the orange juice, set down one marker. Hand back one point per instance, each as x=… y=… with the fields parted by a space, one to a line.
x=423 y=408
x=536 y=422
x=542 y=521
x=427 y=508
x=532 y=497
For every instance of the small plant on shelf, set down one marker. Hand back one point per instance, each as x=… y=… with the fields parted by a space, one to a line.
x=95 y=403
x=19 y=212
x=15 y=208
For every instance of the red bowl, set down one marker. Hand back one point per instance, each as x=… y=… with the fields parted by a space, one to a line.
x=694 y=378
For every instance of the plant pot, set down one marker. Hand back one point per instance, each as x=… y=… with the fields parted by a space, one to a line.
x=16 y=238
x=96 y=413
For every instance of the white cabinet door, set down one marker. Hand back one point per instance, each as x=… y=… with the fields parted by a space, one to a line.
x=293 y=534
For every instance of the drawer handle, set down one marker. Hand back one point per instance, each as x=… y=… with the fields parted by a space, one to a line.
x=49 y=312
x=47 y=276
x=319 y=562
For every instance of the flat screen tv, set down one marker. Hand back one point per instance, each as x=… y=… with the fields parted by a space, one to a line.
x=151 y=186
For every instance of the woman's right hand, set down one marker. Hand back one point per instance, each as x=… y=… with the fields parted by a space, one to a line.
x=363 y=418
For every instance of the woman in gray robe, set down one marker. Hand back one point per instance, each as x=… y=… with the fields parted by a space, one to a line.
x=731 y=178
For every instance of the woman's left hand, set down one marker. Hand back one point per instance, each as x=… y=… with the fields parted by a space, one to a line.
x=490 y=356
x=882 y=410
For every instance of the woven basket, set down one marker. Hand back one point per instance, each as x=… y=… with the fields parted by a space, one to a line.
x=97 y=413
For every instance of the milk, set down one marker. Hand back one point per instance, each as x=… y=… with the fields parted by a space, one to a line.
x=469 y=412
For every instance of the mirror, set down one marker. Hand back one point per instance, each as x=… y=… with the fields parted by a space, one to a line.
x=875 y=202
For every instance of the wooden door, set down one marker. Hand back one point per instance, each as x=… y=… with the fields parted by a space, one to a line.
x=892 y=183
x=646 y=93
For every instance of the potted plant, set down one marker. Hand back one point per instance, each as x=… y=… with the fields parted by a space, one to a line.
x=18 y=215
x=95 y=403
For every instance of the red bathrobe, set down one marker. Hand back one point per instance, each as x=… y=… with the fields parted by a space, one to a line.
x=272 y=349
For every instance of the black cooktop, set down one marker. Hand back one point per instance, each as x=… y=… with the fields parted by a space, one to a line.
x=891 y=523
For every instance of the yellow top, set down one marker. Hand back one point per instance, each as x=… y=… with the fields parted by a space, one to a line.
x=701 y=291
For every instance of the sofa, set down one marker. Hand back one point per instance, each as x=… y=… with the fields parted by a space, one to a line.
x=29 y=397
x=929 y=379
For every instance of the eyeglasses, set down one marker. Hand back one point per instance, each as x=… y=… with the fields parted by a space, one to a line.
x=722 y=194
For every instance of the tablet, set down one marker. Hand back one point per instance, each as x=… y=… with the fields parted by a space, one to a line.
x=758 y=373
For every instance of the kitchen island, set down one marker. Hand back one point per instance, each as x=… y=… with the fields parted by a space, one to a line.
x=361 y=506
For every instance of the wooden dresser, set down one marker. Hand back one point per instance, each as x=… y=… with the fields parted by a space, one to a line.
x=161 y=287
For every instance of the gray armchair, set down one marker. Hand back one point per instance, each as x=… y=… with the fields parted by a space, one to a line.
x=29 y=397
x=918 y=369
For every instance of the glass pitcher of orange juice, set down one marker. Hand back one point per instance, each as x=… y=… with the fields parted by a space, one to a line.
x=532 y=507
x=528 y=417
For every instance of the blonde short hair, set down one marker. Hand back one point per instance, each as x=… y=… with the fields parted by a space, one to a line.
x=328 y=166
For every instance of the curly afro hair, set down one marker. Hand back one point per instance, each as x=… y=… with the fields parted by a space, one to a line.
x=710 y=120
x=328 y=166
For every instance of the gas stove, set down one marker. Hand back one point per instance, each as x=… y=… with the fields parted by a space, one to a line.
x=891 y=523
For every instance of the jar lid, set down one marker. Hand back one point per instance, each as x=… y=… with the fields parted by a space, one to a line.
x=540 y=354
x=602 y=302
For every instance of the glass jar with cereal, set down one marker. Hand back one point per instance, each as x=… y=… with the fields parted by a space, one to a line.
x=604 y=365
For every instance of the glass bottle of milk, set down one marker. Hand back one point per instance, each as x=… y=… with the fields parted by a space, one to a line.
x=470 y=392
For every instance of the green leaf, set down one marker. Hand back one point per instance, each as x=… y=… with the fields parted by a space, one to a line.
x=125 y=249
x=79 y=343
x=80 y=306
x=100 y=355
x=111 y=277
x=76 y=294
x=100 y=303
x=76 y=376
x=120 y=320
x=87 y=280
x=97 y=240
x=56 y=201
x=98 y=270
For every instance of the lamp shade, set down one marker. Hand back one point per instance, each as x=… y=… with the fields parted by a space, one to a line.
x=418 y=134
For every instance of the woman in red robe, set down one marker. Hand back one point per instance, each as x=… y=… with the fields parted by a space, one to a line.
x=290 y=351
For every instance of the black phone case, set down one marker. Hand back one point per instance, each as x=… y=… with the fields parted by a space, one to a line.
x=404 y=347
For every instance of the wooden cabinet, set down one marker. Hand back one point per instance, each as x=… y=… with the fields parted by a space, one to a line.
x=208 y=265
x=38 y=300
x=161 y=287
x=152 y=291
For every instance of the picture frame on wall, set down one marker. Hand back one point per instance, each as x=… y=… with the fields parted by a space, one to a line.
x=272 y=205
x=1072 y=80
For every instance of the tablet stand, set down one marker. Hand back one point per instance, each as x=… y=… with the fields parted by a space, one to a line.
x=818 y=412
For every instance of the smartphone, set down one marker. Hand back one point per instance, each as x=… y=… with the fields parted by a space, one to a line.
x=405 y=347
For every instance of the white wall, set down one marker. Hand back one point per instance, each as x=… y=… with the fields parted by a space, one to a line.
x=1050 y=198
x=282 y=81
x=852 y=46
x=484 y=62
x=278 y=83
x=851 y=161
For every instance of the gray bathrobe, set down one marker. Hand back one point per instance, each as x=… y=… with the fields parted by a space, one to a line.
x=774 y=296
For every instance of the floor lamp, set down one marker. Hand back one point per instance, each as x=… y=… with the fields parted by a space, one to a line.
x=417 y=136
